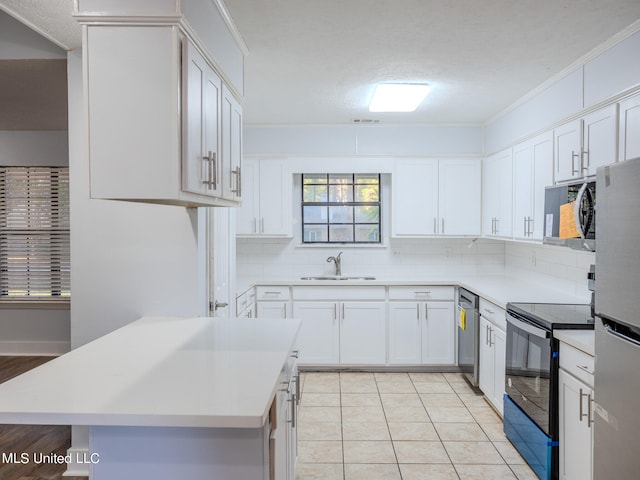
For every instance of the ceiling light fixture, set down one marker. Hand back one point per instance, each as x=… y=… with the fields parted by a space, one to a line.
x=398 y=97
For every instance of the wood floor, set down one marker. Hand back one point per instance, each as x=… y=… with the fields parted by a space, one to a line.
x=31 y=439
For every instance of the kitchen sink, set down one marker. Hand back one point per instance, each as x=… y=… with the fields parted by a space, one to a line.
x=335 y=277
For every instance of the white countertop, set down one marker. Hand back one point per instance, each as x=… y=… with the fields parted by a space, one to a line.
x=580 y=339
x=498 y=289
x=182 y=372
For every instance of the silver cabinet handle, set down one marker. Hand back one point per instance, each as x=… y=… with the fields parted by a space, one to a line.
x=418 y=311
x=442 y=232
x=292 y=399
x=589 y=410
x=335 y=311
x=271 y=293
x=262 y=225
x=584 y=368
x=343 y=311
x=580 y=412
x=435 y=225
x=238 y=190
x=585 y=165
x=524 y=223
x=284 y=310
x=255 y=225
x=213 y=170
x=574 y=155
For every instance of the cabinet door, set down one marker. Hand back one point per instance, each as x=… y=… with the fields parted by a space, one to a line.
x=568 y=151
x=415 y=198
x=405 y=338
x=542 y=178
x=486 y=359
x=498 y=344
x=497 y=198
x=522 y=189
x=231 y=133
x=248 y=213
x=459 y=194
x=576 y=435
x=275 y=198
x=630 y=128
x=363 y=333
x=272 y=309
x=319 y=333
x=438 y=334
x=201 y=162
x=600 y=139
x=532 y=172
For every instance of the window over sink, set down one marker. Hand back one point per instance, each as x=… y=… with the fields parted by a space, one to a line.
x=341 y=208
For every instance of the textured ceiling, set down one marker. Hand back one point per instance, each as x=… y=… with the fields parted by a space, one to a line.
x=317 y=61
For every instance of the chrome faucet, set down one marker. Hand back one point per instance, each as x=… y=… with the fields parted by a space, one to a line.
x=338 y=261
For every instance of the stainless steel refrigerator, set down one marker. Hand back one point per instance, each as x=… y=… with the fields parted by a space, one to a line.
x=617 y=331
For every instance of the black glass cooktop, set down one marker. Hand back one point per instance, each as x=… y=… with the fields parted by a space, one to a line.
x=554 y=315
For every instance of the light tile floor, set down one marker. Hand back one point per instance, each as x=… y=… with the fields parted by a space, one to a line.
x=392 y=426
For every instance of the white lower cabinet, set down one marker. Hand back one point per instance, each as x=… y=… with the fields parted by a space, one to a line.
x=319 y=336
x=363 y=333
x=575 y=419
x=283 y=438
x=272 y=301
x=492 y=353
x=421 y=333
x=342 y=332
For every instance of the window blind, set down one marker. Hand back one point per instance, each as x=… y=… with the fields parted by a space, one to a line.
x=34 y=233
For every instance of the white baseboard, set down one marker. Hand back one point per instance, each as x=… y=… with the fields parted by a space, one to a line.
x=74 y=468
x=34 y=348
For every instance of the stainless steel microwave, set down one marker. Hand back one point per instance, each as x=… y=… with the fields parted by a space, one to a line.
x=573 y=225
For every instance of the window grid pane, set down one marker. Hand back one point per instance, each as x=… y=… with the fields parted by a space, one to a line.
x=341 y=208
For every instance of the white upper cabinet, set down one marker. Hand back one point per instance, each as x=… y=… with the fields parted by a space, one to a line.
x=231 y=132
x=532 y=172
x=497 y=190
x=428 y=197
x=568 y=151
x=600 y=139
x=459 y=181
x=583 y=145
x=155 y=127
x=629 y=128
x=266 y=207
x=415 y=198
x=201 y=119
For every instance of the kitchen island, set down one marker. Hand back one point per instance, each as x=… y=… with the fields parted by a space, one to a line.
x=172 y=398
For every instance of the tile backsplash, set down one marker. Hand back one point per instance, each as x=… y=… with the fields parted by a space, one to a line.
x=275 y=259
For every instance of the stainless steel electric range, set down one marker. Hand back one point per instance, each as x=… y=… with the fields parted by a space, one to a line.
x=531 y=399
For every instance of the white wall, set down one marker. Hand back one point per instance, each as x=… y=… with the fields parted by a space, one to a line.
x=39 y=330
x=277 y=259
x=596 y=81
x=363 y=140
x=31 y=331
x=557 y=267
x=127 y=259
x=18 y=42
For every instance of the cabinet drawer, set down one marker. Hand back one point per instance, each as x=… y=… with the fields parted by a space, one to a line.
x=277 y=292
x=577 y=363
x=339 y=293
x=421 y=292
x=493 y=313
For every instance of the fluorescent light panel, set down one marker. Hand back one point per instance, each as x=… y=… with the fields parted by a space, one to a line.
x=398 y=97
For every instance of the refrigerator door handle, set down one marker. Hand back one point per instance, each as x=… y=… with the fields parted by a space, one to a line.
x=620 y=335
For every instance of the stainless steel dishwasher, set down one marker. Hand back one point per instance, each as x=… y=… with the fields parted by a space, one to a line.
x=468 y=333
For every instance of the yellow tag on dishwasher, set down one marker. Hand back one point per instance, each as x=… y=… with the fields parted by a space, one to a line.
x=463 y=319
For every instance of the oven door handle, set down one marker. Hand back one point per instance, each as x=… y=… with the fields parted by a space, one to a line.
x=527 y=327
